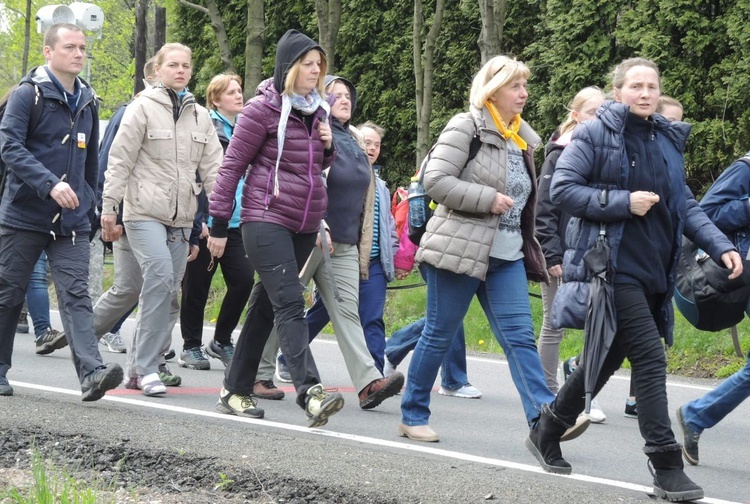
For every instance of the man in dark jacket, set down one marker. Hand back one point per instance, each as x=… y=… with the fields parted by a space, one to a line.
x=50 y=191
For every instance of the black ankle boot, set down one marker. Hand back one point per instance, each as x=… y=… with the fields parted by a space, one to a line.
x=670 y=481
x=544 y=442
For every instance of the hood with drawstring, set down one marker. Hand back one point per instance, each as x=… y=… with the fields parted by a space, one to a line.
x=330 y=79
x=161 y=144
x=291 y=47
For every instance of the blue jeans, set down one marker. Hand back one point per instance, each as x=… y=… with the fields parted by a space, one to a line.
x=453 y=368
x=37 y=297
x=707 y=411
x=504 y=299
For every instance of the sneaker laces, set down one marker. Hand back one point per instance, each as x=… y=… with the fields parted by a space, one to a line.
x=116 y=340
x=196 y=353
x=247 y=401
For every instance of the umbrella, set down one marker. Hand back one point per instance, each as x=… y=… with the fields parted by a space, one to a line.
x=600 y=325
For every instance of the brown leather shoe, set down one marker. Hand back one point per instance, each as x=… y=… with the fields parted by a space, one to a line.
x=381 y=389
x=266 y=389
x=418 y=433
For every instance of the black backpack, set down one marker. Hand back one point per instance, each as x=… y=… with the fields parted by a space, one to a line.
x=36 y=114
x=703 y=293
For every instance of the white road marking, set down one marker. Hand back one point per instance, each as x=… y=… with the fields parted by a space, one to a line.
x=405 y=446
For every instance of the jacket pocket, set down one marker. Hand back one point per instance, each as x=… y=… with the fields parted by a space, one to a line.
x=160 y=143
x=149 y=199
x=197 y=145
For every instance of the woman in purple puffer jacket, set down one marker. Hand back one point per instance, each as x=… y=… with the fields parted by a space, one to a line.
x=282 y=142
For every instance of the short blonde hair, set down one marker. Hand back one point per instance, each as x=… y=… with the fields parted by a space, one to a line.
x=217 y=86
x=667 y=101
x=291 y=75
x=496 y=73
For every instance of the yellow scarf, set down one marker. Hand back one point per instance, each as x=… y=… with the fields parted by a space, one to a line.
x=507 y=131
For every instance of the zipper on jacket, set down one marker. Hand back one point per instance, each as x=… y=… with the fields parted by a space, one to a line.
x=73 y=119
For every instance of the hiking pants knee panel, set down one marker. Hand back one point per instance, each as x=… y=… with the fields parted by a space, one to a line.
x=161 y=252
x=69 y=263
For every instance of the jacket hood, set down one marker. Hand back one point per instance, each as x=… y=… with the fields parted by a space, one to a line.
x=614 y=115
x=330 y=79
x=39 y=76
x=291 y=47
x=552 y=144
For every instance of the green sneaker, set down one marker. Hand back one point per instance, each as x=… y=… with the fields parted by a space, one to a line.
x=167 y=378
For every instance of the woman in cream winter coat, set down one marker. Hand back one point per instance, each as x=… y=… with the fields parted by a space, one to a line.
x=480 y=241
x=165 y=139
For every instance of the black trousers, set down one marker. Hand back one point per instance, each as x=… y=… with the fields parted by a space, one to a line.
x=637 y=339
x=238 y=275
x=69 y=262
x=277 y=255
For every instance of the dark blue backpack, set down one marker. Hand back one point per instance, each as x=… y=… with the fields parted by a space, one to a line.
x=36 y=114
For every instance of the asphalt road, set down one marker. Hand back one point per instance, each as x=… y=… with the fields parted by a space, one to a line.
x=481 y=456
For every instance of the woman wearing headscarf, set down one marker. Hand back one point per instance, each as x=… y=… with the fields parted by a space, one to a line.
x=281 y=143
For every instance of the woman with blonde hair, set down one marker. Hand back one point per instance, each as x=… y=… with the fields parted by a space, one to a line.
x=551 y=224
x=480 y=241
x=224 y=101
x=165 y=139
x=282 y=142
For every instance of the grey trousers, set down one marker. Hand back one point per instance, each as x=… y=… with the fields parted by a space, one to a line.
x=344 y=313
x=549 y=338
x=161 y=252
x=125 y=290
x=68 y=259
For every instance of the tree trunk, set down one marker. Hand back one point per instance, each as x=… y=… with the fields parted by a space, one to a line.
x=140 y=34
x=424 y=54
x=26 y=38
x=329 y=22
x=493 y=20
x=254 y=45
x=160 y=27
x=212 y=10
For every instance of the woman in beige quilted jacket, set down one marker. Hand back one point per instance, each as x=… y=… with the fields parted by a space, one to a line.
x=165 y=140
x=480 y=241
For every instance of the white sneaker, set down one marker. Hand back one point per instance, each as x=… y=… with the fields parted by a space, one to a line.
x=468 y=391
x=596 y=415
x=151 y=385
x=388 y=368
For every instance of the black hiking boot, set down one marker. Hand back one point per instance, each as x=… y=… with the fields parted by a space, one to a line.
x=670 y=481
x=544 y=442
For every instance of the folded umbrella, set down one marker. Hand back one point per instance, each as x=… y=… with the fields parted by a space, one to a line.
x=600 y=325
